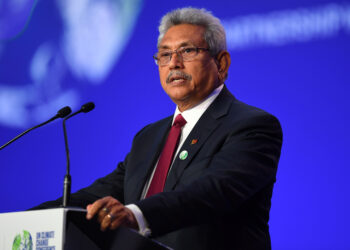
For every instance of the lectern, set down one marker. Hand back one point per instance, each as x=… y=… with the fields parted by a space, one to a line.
x=65 y=229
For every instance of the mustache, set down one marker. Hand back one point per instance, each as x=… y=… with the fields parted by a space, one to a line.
x=177 y=73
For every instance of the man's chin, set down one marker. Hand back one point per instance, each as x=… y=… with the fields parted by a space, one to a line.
x=177 y=90
x=183 y=101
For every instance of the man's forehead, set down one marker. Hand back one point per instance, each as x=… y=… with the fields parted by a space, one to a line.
x=183 y=35
x=180 y=44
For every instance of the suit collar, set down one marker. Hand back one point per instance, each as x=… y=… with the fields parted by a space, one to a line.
x=193 y=114
x=222 y=104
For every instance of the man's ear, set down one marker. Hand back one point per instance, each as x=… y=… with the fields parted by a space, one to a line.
x=223 y=61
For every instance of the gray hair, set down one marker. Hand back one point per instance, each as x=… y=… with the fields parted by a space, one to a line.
x=214 y=34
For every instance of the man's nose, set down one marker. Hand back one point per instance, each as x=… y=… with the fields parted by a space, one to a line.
x=176 y=61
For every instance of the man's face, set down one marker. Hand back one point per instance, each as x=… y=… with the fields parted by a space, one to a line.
x=187 y=83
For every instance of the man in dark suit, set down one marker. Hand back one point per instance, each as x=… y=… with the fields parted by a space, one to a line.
x=203 y=178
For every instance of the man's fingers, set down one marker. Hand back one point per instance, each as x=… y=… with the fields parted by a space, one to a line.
x=103 y=212
x=96 y=207
x=110 y=213
x=93 y=208
x=124 y=217
x=113 y=217
x=119 y=221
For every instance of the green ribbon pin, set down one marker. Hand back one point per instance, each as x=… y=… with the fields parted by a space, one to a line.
x=183 y=155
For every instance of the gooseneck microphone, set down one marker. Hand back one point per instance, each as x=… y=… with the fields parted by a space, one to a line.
x=87 y=107
x=63 y=112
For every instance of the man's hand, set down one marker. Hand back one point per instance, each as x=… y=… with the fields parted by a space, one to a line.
x=111 y=214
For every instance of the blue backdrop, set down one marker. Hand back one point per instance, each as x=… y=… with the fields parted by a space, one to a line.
x=290 y=58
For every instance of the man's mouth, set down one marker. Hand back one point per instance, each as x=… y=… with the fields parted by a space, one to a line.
x=177 y=77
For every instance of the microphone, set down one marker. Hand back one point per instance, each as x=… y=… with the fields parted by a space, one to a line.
x=87 y=107
x=63 y=112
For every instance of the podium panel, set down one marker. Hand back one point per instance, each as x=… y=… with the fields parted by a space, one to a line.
x=40 y=229
x=65 y=229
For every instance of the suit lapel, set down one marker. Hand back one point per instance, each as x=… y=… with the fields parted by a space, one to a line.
x=206 y=125
x=155 y=145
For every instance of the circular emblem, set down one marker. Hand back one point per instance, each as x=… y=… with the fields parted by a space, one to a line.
x=183 y=155
x=23 y=241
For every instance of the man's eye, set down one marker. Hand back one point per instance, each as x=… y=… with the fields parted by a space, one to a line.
x=188 y=50
x=164 y=54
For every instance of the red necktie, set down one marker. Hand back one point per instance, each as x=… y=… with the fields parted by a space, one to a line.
x=166 y=157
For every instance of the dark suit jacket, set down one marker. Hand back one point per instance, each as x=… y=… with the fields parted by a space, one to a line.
x=219 y=197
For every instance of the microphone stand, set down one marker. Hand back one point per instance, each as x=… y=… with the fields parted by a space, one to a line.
x=67 y=178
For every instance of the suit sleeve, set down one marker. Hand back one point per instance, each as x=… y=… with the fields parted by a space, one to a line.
x=245 y=164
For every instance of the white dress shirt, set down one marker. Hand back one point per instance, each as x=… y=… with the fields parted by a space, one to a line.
x=191 y=116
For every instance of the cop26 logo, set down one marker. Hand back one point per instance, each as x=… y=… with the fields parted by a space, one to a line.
x=23 y=241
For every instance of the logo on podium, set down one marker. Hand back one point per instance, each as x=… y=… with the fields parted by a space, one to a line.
x=23 y=241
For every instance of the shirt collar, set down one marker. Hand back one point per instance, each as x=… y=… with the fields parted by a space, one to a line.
x=193 y=114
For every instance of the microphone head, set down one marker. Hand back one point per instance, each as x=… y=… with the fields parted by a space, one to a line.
x=87 y=107
x=63 y=112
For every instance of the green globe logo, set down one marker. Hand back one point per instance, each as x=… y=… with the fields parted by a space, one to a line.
x=23 y=241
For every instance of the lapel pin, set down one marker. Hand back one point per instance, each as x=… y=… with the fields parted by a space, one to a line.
x=194 y=141
x=183 y=155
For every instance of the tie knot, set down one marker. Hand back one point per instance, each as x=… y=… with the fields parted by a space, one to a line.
x=179 y=121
